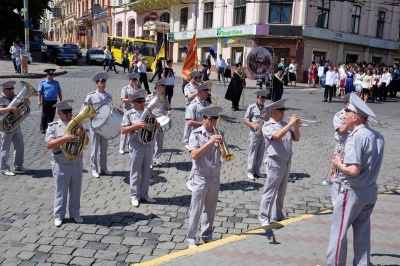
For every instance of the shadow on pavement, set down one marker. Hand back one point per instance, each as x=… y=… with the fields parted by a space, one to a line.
x=117 y=219
x=41 y=173
x=241 y=185
x=181 y=201
x=293 y=177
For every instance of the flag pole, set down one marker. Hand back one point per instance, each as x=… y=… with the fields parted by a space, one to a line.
x=165 y=48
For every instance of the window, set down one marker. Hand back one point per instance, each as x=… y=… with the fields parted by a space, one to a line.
x=355 y=19
x=131 y=29
x=323 y=8
x=380 y=24
x=239 y=12
x=280 y=11
x=208 y=15
x=119 y=29
x=184 y=18
x=146 y=32
x=165 y=18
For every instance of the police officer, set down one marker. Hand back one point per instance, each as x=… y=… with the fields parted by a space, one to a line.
x=126 y=93
x=67 y=172
x=160 y=110
x=358 y=173
x=48 y=91
x=98 y=142
x=278 y=137
x=140 y=154
x=193 y=116
x=15 y=136
x=341 y=133
x=190 y=92
x=206 y=159
x=255 y=112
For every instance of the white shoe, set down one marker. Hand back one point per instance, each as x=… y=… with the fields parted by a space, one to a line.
x=121 y=151
x=265 y=224
x=8 y=172
x=250 y=176
x=57 y=222
x=187 y=146
x=157 y=163
x=192 y=246
x=94 y=174
x=151 y=166
x=135 y=203
x=106 y=172
x=190 y=187
x=150 y=200
x=78 y=219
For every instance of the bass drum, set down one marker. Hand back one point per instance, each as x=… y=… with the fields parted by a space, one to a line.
x=165 y=123
x=107 y=121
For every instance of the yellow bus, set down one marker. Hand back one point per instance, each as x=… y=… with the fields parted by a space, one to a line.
x=145 y=48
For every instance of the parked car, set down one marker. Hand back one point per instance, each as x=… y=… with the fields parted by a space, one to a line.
x=94 y=56
x=63 y=55
x=50 y=50
x=74 y=49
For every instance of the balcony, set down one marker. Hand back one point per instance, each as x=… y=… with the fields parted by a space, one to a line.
x=141 y=6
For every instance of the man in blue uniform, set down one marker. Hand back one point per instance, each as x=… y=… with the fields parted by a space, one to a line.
x=49 y=89
x=358 y=173
x=278 y=137
x=15 y=136
x=67 y=172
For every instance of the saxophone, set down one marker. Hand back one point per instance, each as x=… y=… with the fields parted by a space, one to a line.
x=146 y=136
x=73 y=150
x=9 y=121
x=224 y=150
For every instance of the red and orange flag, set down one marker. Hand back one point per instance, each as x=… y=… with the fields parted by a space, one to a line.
x=191 y=58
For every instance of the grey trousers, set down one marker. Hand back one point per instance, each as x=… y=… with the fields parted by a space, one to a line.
x=140 y=158
x=186 y=133
x=204 y=203
x=124 y=138
x=158 y=146
x=274 y=191
x=67 y=180
x=256 y=153
x=352 y=208
x=15 y=137
x=97 y=142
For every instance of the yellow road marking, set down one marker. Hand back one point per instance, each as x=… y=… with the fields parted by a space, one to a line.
x=220 y=242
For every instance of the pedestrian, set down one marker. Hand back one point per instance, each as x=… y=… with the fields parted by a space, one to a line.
x=221 y=65
x=330 y=79
x=67 y=173
x=111 y=63
x=43 y=48
x=376 y=83
x=206 y=165
x=190 y=92
x=282 y=63
x=126 y=98
x=235 y=88
x=142 y=68
x=293 y=72
x=366 y=85
x=228 y=72
x=140 y=154
x=349 y=80
x=159 y=70
x=18 y=63
x=386 y=78
x=98 y=143
x=395 y=81
x=277 y=85
x=125 y=61
x=312 y=74
x=170 y=81
x=135 y=61
x=208 y=62
x=278 y=137
x=255 y=117
x=107 y=54
x=358 y=173
x=14 y=49
x=14 y=136
x=24 y=60
x=48 y=91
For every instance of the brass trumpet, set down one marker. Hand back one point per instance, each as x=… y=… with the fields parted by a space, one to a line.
x=374 y=122
x=224 y=150
x=307 y=123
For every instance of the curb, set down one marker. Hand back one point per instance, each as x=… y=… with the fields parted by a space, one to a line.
x=33 y=75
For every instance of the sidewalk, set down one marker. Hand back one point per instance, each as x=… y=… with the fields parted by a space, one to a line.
x=296 y=241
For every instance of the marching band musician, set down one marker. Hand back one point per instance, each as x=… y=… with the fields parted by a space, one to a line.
x=98 y=143
x=48 y=91
x=160 y=110
x=15 y=136
x=255 y=112
x=363 y=155
x=140 y=154
x=193 y=116
x=206 y=166
x=126 y=93
x=278 y=137
x=341 y=133
x=67 y=172
x=190 y=93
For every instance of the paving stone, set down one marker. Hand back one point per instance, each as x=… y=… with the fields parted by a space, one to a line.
x=95 y=245
x=40 y=257
x=111 y=239
x=26 y=255
x=84 y=252
x=105 y=254
x=62 y=250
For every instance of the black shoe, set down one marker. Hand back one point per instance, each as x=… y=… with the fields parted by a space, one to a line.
x=324 y=101
x=42 y=131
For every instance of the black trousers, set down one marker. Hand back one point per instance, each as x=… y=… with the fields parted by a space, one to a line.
x=277 y=94
x=221 y=71
x=157 y=73
x=143 y=80
x=48 y=113
x=169 y=92
x=44 y=57
x=328 y=93
x=105 y=63
x=383 y=91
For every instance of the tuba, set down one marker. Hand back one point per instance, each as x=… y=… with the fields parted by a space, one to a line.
x=146 y=136
x=224 y=150
x=9 y=121
x=74 y=150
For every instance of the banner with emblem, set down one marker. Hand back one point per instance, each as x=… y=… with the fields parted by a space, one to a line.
x=191 y=58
